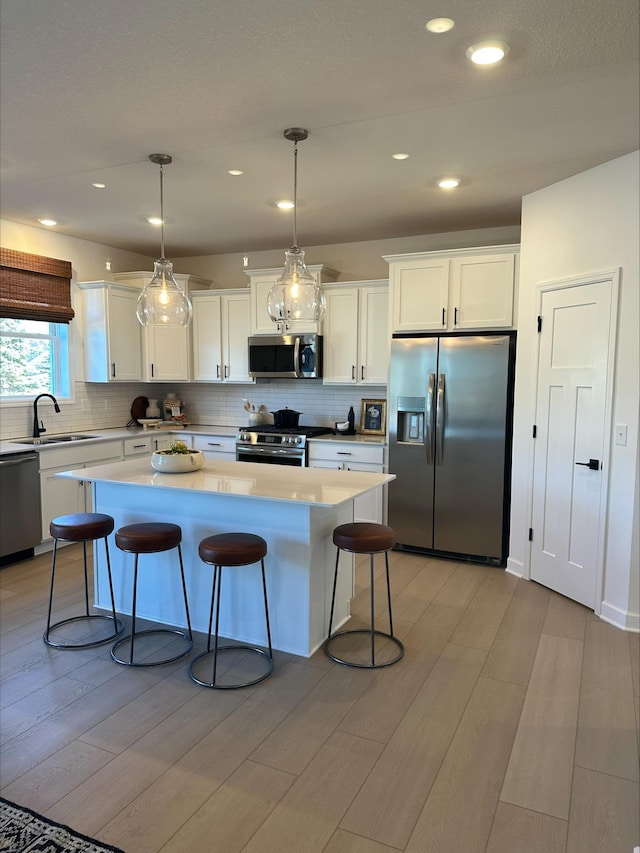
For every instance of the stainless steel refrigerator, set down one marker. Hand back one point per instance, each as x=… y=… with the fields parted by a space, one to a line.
x=450 y=428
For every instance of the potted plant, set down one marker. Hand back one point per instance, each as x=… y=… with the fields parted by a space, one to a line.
x=179 y=459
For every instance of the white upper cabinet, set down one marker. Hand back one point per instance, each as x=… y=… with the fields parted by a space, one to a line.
x=356 y=334
x=112 y=333
x=165 y=353
x=166 y=349
x=221 y=323
x=456 y=290
x=261 y=282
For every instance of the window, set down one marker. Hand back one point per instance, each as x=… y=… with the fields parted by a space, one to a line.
x=34 y=359
x=35 y=308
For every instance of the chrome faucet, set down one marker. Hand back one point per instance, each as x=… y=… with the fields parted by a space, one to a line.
x=38 y=426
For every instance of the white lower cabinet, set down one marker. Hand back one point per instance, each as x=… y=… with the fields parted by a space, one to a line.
x=59 y=496
x=216 y=446
x=164 y=442
x=354 y=456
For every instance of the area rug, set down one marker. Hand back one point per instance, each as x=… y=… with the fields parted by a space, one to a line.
x=24 y=831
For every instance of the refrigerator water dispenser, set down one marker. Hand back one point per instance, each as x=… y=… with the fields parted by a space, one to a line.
x=411 y=421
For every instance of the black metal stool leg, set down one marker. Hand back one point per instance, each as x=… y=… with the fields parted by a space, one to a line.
x=266 y=608
x=184 y=591
x=373 y=611
x=53 y=572
x=218 y=570
x=386 y=560
x=133 y=609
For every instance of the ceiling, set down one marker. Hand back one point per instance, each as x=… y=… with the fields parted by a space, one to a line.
x=90 y=88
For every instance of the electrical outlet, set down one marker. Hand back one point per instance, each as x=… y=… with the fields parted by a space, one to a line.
x=86 y=405
x=621 y=434
x=107 y=405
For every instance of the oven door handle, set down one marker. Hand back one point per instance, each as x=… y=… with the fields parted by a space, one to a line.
x=271 y=451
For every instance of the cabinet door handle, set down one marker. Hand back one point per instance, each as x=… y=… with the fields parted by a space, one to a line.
x=113 y=370
x=353 y=371
x=455 y=316
x=217 y=371
x=152 y=369
x=343 y=453
x=362 y=373
x=136 y=446
x=226 y=371
x=443 y=315
x=214 y=444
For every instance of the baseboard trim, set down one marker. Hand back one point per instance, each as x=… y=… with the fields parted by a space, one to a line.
x=515 y=568
x=620 y=618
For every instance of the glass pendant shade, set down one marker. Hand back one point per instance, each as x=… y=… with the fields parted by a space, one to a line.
x=163 y=302
x=296 y=295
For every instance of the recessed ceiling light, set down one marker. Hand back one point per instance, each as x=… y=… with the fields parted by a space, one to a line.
x=48 y=222
x=154 y=220
x=448 y=183
x=236 y=172
x=487 y=52
x=400 y=156
x=99 y=186
x=285 y=205
x=440 y=25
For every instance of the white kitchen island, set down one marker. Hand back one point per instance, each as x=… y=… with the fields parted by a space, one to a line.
x=294 y=509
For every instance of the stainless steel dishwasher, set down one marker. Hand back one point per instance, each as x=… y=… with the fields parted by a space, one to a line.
x=20 y=525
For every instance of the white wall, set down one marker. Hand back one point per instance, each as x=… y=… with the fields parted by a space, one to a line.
x=585 y=224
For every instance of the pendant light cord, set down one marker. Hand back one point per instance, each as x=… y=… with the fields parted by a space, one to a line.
x=295 y=195
x=161 y=212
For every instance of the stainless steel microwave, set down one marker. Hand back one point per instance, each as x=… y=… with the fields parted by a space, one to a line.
x=285 y=356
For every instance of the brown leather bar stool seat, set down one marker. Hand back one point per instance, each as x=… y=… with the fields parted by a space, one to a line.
x=82 y=527
x=365 y=537
x=230 y=550
x=151 y=537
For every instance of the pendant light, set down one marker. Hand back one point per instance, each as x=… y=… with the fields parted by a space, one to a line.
x=163 y=302
x=296 y=295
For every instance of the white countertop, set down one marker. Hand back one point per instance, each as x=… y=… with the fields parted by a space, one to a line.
x=312 y=486
x=97 y=435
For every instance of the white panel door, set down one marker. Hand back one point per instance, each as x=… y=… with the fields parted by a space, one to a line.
x=569 y=499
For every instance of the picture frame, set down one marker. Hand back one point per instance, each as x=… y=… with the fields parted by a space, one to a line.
x=373 y=417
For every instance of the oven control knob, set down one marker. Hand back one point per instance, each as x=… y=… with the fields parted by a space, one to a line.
x=295 y=439
x=243 y=437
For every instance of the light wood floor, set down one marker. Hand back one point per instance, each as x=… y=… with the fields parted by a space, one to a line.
x=510 y=726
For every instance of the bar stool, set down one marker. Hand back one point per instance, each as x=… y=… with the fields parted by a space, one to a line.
x=82 y=527
x=230 y=550
x=364 y=538
x=150 y=538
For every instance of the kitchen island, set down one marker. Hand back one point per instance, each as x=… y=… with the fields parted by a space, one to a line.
x=294 y=509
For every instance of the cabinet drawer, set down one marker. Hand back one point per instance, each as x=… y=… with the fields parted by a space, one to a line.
x=67 y=458
x=217 y=443
x=137 y=446
x=347 y=452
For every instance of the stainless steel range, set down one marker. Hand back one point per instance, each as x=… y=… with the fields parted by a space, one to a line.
x=276 y=445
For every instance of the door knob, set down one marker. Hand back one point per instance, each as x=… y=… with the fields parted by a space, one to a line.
x=592 y=464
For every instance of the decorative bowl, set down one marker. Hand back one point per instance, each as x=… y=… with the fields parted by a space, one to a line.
x=177 y=463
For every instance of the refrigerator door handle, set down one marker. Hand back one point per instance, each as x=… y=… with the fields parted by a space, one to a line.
x=440 y=420
x=429 y=418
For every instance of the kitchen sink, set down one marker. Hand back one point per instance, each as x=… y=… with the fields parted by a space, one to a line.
x=54 y=439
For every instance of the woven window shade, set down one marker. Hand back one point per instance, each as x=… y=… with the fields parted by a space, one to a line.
x=33 y=287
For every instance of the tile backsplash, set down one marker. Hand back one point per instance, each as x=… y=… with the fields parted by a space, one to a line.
x=98 y=406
